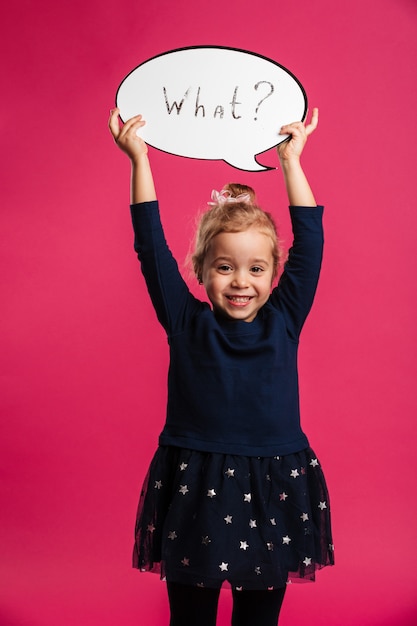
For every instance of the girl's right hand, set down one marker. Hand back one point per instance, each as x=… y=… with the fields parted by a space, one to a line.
x=299 y=132
x=126 y=136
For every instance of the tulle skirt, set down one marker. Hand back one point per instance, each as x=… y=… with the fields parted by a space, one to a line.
x=256 y=522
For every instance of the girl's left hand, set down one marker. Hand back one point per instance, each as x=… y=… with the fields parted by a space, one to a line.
x=126 y=136
x=293 y=147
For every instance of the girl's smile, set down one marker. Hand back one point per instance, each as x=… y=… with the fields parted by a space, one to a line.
x=238 y=273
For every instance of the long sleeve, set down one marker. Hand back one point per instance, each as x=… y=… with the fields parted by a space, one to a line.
x=169 y=293
x=295 y=292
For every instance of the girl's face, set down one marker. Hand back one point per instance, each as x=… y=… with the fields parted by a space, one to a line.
x=238 y=273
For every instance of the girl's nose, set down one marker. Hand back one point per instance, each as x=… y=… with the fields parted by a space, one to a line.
x=240 y=280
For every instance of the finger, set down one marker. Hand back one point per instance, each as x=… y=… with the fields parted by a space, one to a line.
x=132 y=121
x=132 y=126
x=314 y=121
x=293 y=128
x=114 y=123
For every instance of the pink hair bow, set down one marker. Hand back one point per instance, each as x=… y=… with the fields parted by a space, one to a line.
x=223 y=196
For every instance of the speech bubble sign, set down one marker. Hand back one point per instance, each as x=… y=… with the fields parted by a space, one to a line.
x=215 y=103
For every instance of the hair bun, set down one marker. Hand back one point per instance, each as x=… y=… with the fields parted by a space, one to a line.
x=225 y=197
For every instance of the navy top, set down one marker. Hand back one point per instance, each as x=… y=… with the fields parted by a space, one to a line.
x=232 y=385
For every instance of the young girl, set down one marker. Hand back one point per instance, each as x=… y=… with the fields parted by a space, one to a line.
x=234 y=492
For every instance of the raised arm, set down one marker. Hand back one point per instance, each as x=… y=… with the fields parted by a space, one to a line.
x=126 y=137
x=169 y=293
x=289 y=152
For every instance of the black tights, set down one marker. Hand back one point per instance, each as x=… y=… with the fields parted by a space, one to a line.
x=196 y=606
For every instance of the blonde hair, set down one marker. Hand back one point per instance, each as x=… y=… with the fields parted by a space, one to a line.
x=233 y=217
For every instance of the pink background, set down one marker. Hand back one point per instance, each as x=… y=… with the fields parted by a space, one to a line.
x=83 y=360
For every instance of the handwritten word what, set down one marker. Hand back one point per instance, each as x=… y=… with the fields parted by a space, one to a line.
x=197 y=107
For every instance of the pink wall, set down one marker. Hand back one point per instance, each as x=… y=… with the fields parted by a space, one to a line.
x=83 y=359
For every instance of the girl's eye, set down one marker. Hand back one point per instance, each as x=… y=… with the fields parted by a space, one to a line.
x=224 y=268
x=256 y=269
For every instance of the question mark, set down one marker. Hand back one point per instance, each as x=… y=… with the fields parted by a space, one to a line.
x=263 y=82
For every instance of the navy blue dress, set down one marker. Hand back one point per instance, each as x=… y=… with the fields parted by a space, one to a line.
x=234 y=492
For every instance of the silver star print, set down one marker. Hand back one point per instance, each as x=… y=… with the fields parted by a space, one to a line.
x=183 y=466
x=270 y=546
x=230 y=473
x=158 y=484
x=247 y=497
x=307 y=561
x=211 y=493
x=205 y=540
x=283 y=496
x=228 y=519
x=185 y=562
x=322 y=506
x=172 y=535
x=252 y=523
x=151 y=528
x=244 y=545
x=223 y=566
x=286 y=540
x=257 y=570
x=314 y=462
x=273 y=521
x=294 y=473
x=183 y=489
x=304 y=517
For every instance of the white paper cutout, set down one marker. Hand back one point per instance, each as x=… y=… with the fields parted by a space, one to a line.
x=210 y=102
